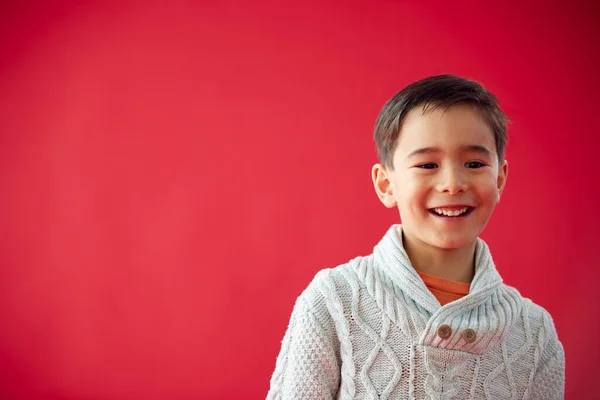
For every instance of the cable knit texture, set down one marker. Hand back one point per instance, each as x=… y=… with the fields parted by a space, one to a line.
x=370 y=329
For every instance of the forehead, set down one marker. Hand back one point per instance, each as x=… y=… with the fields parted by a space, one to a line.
x=459 y=126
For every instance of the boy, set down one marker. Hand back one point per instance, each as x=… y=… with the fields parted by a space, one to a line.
x=426 y=315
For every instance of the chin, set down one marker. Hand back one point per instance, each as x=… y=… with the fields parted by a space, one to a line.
x=453 y=243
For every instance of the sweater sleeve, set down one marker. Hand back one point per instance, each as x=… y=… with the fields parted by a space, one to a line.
x=549 y=379
x=307 y=366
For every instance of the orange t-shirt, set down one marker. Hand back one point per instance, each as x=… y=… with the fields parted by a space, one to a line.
x=446 y=291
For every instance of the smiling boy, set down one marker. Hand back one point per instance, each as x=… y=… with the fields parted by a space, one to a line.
x=426 y=315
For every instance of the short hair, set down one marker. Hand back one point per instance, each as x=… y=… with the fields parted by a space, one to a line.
x=441 y=91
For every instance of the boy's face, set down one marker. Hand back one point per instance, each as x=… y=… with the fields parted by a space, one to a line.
x=446 y=179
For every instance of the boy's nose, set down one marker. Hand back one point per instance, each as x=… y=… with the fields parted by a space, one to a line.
x=452 y=181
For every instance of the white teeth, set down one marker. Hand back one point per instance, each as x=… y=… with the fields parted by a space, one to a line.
x=450 y=213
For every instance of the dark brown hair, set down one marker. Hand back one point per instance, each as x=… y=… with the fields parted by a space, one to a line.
x=442 y=91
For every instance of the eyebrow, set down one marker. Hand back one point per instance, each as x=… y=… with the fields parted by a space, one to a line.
x=468 y=148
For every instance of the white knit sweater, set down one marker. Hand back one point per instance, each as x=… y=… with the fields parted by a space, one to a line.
x=371 y=329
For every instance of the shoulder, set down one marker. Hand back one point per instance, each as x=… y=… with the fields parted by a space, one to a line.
x=335 y=281
x=541 y=322
x=330 y=287
x=536 y=315
x=537 y=323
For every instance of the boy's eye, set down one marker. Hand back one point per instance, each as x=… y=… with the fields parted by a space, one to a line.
x=427 y=166
x=474 y=164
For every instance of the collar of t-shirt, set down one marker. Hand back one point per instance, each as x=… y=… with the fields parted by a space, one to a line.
x=444 y=290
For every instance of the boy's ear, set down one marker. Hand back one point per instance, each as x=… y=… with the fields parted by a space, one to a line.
x=502 y=175
x=382 y=181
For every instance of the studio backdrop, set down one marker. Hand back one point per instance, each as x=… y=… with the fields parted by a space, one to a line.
x=173 y=175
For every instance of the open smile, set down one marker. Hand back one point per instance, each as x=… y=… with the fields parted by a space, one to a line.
x=451 y=212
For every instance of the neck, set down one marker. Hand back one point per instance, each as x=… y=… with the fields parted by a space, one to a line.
x=452 y=264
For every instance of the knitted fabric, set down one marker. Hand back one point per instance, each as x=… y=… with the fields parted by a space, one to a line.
x=370 y=329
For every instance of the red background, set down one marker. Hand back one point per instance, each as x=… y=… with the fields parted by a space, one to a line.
x=173 y=176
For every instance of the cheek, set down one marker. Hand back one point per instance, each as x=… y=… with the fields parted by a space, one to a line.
x=412 y=194
x=416 y=199
x=488 y=192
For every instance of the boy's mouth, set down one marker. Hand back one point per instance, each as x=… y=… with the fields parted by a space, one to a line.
x=451 y=212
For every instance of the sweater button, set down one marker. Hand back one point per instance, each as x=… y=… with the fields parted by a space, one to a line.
x=469 y=335
x=444 y=331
